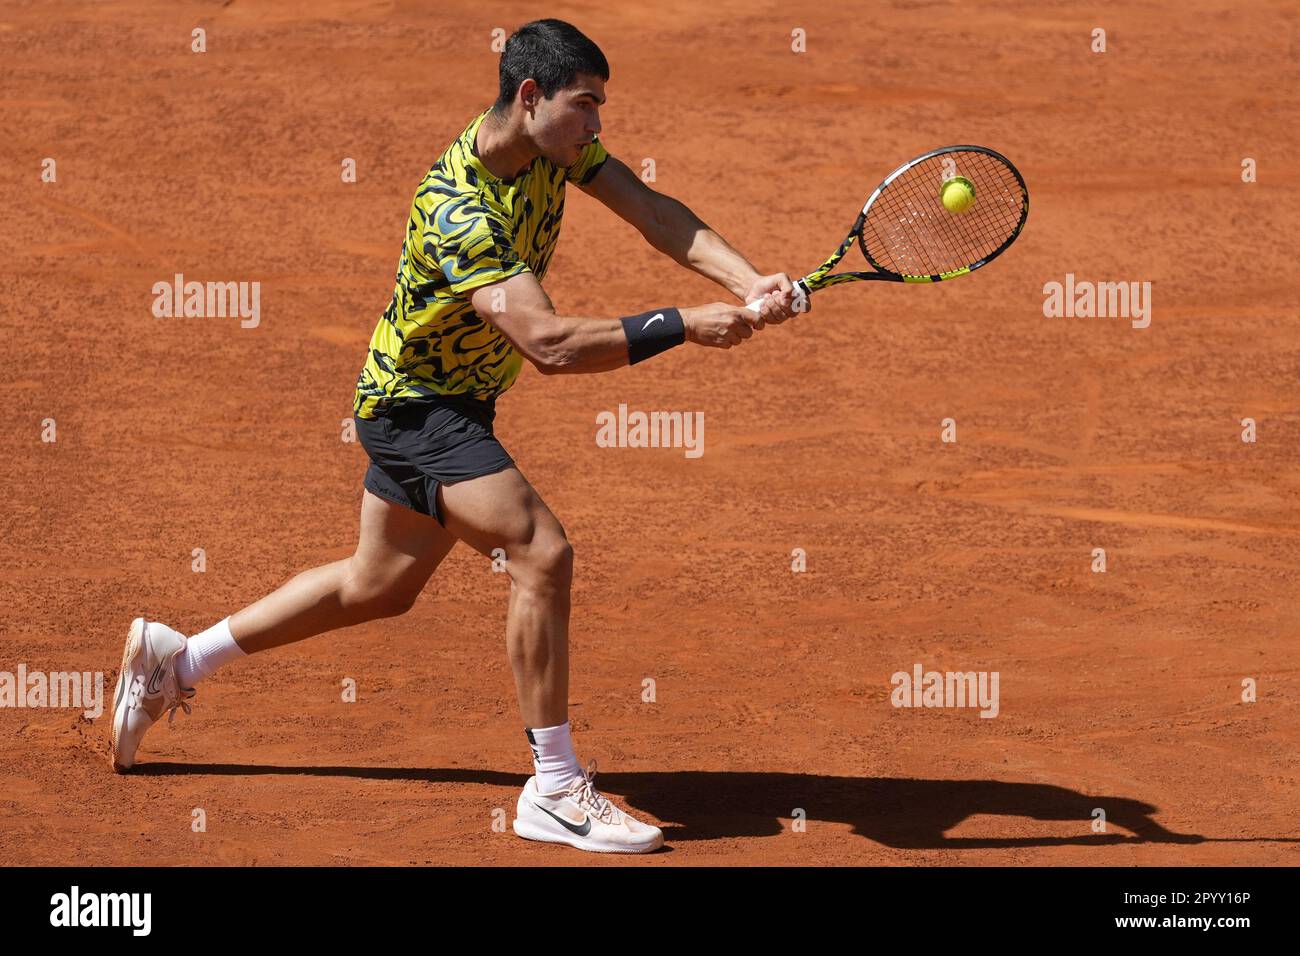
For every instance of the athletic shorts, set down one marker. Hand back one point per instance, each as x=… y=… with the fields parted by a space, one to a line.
x=418 y=444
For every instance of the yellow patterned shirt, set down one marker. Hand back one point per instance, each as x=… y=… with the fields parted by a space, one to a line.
x=467 y=229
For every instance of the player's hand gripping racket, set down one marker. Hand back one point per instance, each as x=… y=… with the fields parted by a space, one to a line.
x=908 y=234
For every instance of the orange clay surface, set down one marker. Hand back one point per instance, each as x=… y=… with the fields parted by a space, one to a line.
x=1119 y=690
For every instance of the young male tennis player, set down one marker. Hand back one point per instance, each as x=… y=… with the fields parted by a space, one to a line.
x=467 y=309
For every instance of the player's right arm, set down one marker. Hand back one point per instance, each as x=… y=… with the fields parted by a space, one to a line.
x=560 y=344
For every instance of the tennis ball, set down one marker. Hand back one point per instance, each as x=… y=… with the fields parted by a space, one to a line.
x=958 y=194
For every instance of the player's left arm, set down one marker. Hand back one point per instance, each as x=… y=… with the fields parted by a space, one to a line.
x=670 y=227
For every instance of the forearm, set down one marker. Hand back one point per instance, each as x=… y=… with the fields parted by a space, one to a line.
x=576 y=345
x=681 y=235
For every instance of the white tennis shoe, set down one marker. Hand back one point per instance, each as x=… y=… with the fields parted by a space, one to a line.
x=582 y=817
x=146 y=687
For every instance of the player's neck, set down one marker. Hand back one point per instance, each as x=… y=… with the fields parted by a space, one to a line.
x=503 y=149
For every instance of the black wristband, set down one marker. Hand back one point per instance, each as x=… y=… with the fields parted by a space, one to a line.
x=652 y=332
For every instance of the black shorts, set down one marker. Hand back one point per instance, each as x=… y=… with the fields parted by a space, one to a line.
x=418 y=444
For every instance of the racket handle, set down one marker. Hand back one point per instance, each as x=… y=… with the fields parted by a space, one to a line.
x=799 y=286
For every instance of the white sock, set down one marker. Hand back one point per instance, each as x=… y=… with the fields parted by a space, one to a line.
x=205 y=652
x=553 y=758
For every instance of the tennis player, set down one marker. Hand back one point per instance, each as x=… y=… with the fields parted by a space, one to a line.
x=468 y=308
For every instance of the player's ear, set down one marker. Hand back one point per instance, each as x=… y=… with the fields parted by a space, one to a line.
x=530 y=94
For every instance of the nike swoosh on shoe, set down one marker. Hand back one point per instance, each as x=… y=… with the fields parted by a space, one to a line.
x=154 y=686
x=580 y=830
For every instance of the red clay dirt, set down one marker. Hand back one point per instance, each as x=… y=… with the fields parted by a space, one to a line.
x=1119 y=690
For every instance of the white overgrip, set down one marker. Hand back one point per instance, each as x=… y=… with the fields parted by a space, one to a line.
x=799 y=287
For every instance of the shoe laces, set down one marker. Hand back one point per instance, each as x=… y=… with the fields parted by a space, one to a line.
x=172 y=685
x=592 y=800
x=181 y=702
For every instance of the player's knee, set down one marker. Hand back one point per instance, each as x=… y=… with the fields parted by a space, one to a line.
x=557 y=560
x=393 y=602
x=370 y=599
x=549 y=563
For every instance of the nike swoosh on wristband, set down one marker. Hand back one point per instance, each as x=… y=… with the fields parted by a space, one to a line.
x=582 y=830
x=656 y=318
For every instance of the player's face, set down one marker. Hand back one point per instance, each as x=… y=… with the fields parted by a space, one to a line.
x=568 y=120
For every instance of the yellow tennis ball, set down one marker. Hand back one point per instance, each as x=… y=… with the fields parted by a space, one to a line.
x=958 y=194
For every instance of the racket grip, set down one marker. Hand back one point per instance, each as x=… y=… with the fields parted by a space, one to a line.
x=799 y=286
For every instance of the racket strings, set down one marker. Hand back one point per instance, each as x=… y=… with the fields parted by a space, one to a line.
x=909 y=231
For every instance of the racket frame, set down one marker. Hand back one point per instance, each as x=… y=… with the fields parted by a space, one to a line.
x=820 y=278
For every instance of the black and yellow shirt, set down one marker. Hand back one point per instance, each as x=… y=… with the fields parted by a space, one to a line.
x=467 y=229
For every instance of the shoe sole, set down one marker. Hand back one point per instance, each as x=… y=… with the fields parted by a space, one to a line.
x=532 y=831
x=134 y=645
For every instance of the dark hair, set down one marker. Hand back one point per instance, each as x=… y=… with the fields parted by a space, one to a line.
x=553 y=53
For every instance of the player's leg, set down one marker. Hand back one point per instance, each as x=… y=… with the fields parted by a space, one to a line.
x=559 y=804
x=398 y=549
x=399 y=545
x=503 y=511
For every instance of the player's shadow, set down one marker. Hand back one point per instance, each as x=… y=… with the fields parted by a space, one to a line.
x=904 y=813
x=897 y=812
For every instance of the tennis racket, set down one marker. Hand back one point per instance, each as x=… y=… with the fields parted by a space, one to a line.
x=908 y=235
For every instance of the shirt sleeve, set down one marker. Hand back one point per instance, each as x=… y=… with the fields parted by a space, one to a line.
x=471 y=245
x=589 y=162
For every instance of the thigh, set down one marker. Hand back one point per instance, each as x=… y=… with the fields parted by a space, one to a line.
x=501 y=510
x=398 y=545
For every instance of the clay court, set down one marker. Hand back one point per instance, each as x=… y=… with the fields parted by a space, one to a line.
x=1120 y=690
